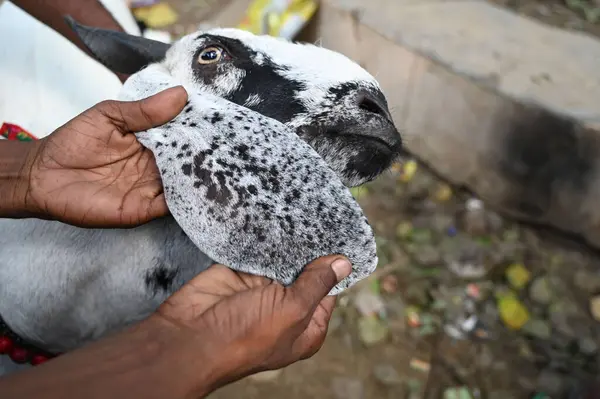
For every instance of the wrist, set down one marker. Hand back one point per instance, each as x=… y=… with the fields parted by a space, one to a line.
x=148 y=360
x=195 y=361
x=16 y=160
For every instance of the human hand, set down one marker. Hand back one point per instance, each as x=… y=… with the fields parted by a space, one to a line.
x=93 y=172
x=247 y=324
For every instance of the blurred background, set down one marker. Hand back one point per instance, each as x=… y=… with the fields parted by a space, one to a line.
x=488 y=284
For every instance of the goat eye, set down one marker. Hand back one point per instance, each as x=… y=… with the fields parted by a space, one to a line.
x=210 y=55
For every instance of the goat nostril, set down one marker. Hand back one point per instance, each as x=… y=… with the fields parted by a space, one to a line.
x=369 y=105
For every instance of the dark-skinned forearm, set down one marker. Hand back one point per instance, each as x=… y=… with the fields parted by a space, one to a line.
x=14 y=177
x=86 y=12
x=52 y=14
x=149 y=360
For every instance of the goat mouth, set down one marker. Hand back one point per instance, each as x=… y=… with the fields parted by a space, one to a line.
x=376 y=142
x=366 y=142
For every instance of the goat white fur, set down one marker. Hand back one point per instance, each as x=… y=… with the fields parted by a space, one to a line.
x=254 y=171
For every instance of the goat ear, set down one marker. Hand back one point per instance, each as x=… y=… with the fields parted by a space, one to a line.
x=118 y=51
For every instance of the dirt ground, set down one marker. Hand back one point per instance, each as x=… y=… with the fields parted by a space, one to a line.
x=462 y=299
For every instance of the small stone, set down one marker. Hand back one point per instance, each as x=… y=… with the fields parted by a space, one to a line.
x=420 y=365
x=428 y=255
x=474 y=204
x=387 y=375
x=467 y=270
x=452 y=231
x=473 y=291
x=443 y=193
x=538 y=328
x=457 y=393
x=441 y=223
x=396 y=168
x=474 y=218
x=551 y=383
x=540 y=291
x=372 y=330
x=414 y=387
x=408 y=171
x=518 y=276
x=403 y=230
x=486 y=357
x=495 y=222
x=595 y=307
x=544 y=10
x=587 y=282
x=454 y=332
x=417 y=293
x=347 y=388
x=588 y=346
x=560 y=322
x=500 y=395
x=464 y=257
x=368 y=303
x=511 y=235
x=512 y=311
x=266 y=376
x=421 y=236
x=505 y=251
x=389 y=284
x=395 y=307
x=412 y=316
x=525 y=351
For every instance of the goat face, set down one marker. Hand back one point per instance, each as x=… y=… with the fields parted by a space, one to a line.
x=327 y=99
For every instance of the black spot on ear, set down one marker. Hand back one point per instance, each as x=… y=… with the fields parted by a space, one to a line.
x=544 y=154
x=216 y=118
x=160 y=278
x=186 y=168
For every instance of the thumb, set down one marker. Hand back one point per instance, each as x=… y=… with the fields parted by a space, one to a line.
x=318 y=278
x=135 y=116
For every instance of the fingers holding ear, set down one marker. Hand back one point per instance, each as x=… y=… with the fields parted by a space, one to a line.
x=153 y=111
x=317 y=280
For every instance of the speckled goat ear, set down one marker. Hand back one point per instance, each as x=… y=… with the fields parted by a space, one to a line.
x=249 y=192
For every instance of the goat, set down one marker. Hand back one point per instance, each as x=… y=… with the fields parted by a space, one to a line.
x=273 y=134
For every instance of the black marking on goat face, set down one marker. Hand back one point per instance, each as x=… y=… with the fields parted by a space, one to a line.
x=543 y=154
x=160 y=279
x=263 y=81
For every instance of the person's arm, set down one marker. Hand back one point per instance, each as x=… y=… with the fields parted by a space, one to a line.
x=218 y=328
x=86 y=12
x=92 y=171
x=14 y=157
x=149 y=360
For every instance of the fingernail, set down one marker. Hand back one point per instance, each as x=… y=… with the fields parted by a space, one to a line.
x=342 y=268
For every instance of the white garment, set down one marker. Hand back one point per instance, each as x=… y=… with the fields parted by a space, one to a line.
x=45 y=80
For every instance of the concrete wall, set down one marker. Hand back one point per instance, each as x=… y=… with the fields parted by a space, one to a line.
x=495 y=102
